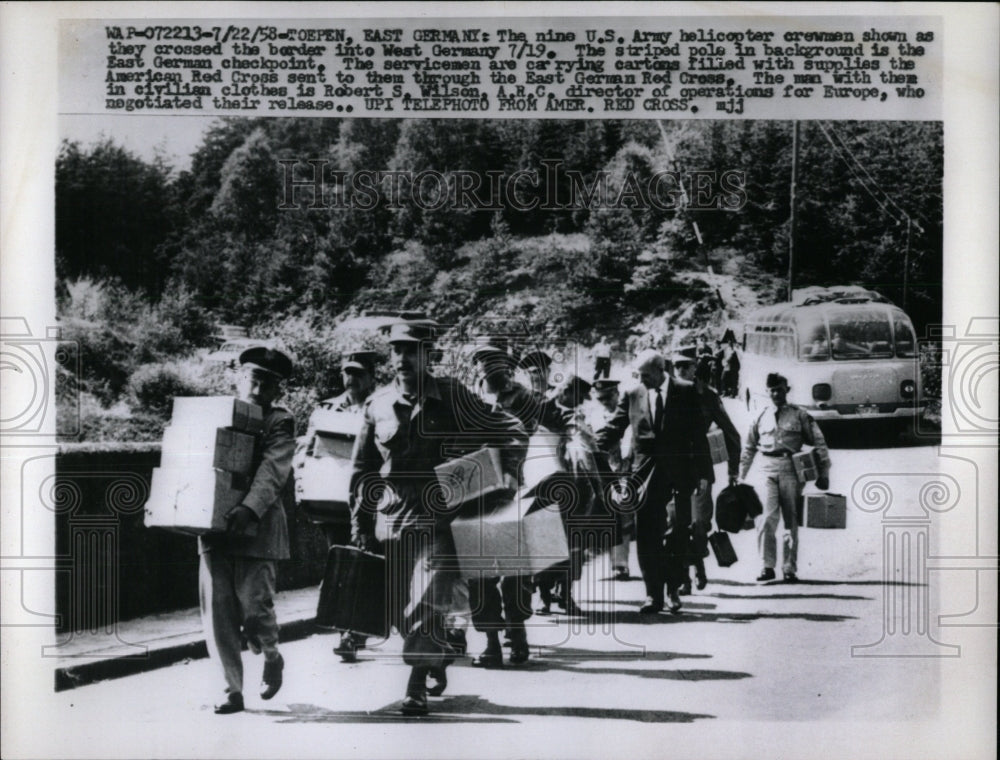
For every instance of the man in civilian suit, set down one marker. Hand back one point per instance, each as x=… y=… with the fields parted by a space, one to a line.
x=670 y=459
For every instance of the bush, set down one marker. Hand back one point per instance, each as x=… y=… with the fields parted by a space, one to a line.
x=152 y=387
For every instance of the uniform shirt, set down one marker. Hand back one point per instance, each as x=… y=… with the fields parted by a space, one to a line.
x=596 y=416
x=403 y=438
x=341 y=403
x=784 y=430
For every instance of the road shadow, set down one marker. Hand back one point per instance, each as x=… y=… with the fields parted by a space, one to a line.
x=307 y=713
x=807 y=582
x=468 y=703
x=842 y=597
x=543 y=664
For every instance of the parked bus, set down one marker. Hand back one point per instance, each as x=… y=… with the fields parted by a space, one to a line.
x=848 y=354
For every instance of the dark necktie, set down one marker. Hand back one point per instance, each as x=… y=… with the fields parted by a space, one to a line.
x=658 y=414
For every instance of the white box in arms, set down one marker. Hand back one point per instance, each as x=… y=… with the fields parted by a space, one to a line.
x=205 y=447
x=322 y=488
x=216 y=412
x=193 y=501
x=511 y=540
x=717 y=446
x=825 y=510
x=805 y=465
x=471 y=477
x=542 y=460
x=338 y=423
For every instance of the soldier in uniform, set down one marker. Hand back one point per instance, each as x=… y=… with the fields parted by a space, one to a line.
x=597 y=413
x=777 y=432
x=712 y=411
x=410 y=427
x=237 y=568
x=358 y=376
x=537 y=364
x=502 y=603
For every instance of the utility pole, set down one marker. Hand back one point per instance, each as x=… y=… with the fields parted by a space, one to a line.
x=906 y=261
x=791 y=222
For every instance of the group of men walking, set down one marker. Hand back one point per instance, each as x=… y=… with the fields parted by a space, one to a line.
x=637 y=461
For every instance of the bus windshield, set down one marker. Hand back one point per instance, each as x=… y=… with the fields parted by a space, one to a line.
x=860 y=334
x=813 y=341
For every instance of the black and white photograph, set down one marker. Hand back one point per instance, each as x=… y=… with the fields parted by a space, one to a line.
x=498 y=383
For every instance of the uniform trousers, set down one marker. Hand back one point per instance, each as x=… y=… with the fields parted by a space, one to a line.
x=498 y=603
x=421 y=578
x=702 y=511
x=782 y=491
x=237 y=592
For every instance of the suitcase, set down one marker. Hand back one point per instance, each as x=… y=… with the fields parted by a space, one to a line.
x=722 y=548
x=806 y=467
x=352 y=596
x=825 y=510
x=471 y=477
x=717 y=447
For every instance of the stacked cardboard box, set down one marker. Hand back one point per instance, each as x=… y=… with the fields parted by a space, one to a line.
x=717 y=447
x=825 y=510
x=806 y=466
x=511 y=540
x=206 y=463
x=472 y=477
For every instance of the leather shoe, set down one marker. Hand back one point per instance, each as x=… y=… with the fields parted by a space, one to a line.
x=272 y=679
x=621 y=574
x=651 y=606
x=519 y=651
x=347 y=649
x=490 y=659
x=675 y=602
x=440 y=678
x=414 y=704
x=685 y=589
x=790 y=577
x=233 y=704
x=701 y=580
x=570 y=607
x=767 y=574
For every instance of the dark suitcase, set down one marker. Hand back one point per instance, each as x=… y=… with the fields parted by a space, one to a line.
x=722 y=548
x=730 y=510
x=352 y=596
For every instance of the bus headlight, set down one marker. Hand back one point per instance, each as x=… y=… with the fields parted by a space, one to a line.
x=907 y=388
x=822 y=392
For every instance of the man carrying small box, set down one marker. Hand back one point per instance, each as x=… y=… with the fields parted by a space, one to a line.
x=238 y=568
x=778 y=432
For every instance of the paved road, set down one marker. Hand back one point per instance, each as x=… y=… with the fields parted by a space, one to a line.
x=743 y=670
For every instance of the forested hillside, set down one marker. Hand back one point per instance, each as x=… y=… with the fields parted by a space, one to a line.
x=150 y=258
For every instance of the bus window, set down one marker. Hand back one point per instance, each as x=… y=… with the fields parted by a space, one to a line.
x=860 y=334
x=812 y=339
x=784 y=346
x=906 y=346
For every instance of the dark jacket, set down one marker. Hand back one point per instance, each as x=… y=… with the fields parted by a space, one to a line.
x=677 y=454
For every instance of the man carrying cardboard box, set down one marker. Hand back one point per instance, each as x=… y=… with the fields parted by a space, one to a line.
x=778 y=432
x=237 y=570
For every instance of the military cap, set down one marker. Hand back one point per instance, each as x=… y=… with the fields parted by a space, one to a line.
x=535 y=358
x=485 y=346
x=266 y=359
x=417 y=331
x=605 y=386
x=363 y=360
x=774 y=380
x=679 y=357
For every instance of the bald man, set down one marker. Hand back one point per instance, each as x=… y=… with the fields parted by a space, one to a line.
x=670 y=460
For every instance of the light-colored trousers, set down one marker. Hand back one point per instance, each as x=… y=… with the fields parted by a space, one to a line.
x=237 y=592
x=782 y=491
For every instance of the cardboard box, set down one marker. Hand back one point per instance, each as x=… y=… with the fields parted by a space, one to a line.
x=825 y=510
x=201 y=447
x=806 y=467
x=193 y=501
x=717 y=446
x=471 y=477
x=322 y=488
x=207 y=412
x=512 y=540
